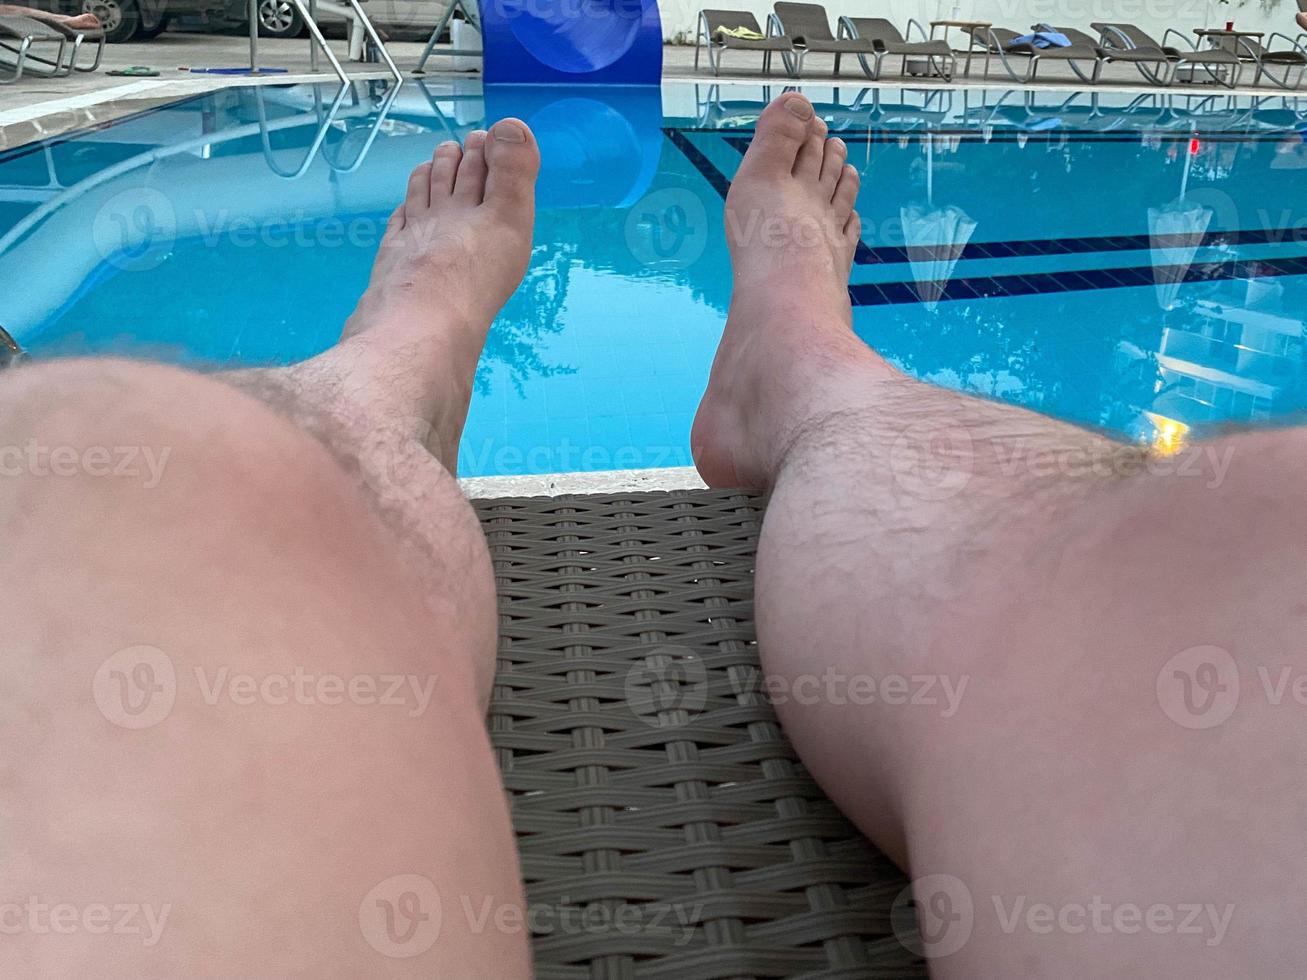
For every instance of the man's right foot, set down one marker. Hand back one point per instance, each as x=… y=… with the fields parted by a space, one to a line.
x=792 y=232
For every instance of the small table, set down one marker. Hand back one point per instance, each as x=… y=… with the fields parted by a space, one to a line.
x=1214 y=36
x=963 y=25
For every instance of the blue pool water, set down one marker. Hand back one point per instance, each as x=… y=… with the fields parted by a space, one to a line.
x=1132 y=262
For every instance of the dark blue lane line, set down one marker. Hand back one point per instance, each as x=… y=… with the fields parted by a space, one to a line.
x=990 y=287
x=1037 y=283
x=890 y=254
x=1037 y=247
x=719 y=181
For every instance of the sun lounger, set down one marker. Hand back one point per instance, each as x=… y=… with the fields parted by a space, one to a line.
x=887 y=41
x=1111 y=55
x=82 y=37
x=79 y=38
x=738 y=30
x=807 y=26
x=18 y=37
x=1001 y=43
x=1251 y=51
x=1129 y=43
x=665 y=824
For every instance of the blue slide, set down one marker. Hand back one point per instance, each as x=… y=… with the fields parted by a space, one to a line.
x=572 y=42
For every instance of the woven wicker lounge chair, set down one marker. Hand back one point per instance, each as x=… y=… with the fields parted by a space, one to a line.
x=886 y=41
x=18 y=37
x=718 y=30
x=1122 y=39
x=807 y=26
x=999 y=42
x=650 y=781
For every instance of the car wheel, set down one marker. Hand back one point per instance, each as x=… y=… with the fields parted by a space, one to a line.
x=121 y=19
x=279 y=18
x=149 y=33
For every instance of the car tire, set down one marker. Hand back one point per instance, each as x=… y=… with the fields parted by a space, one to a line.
x=150 y=33
x=121 y=18
x=279 y=18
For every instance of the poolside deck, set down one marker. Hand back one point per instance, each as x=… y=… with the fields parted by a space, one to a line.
x=36 y=108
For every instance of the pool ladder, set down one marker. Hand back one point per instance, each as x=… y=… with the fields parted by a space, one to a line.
x=308 y=12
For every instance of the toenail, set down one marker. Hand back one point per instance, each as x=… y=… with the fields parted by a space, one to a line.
x=800 y=106
x=448 y=144
x=507 y=131
x=476 y=137
x=839 y=144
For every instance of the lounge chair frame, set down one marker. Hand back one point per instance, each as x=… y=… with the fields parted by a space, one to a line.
x=827 y=44
x=1259 y=54
x=1112 y=36
x=848 y=30
x=18 y=36
x=706 y=36
x=992 y=46
x=77 y=38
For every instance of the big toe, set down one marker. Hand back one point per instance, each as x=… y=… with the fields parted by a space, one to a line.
x=512 y=163
x=782 y=130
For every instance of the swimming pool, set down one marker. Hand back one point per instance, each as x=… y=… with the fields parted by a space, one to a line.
x=1137 y=262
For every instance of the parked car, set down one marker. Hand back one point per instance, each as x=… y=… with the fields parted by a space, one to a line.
x=397 y=18
x=132 y=20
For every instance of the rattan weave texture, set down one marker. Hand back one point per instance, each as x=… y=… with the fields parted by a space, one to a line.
x=666 y=826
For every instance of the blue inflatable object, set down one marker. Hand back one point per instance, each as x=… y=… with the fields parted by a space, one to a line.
x=598 y=148
x=570 y=42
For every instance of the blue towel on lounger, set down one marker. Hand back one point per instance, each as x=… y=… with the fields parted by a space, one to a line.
x=1044 y=39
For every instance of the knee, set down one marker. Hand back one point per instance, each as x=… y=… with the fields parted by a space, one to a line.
x=103 y=443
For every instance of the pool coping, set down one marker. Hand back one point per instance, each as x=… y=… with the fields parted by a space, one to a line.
x=604 y=481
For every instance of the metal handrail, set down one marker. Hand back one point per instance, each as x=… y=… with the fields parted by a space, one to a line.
x=474 y=20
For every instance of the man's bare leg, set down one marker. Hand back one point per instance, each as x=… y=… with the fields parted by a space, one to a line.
x=244 y=675
x=1082 y=789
